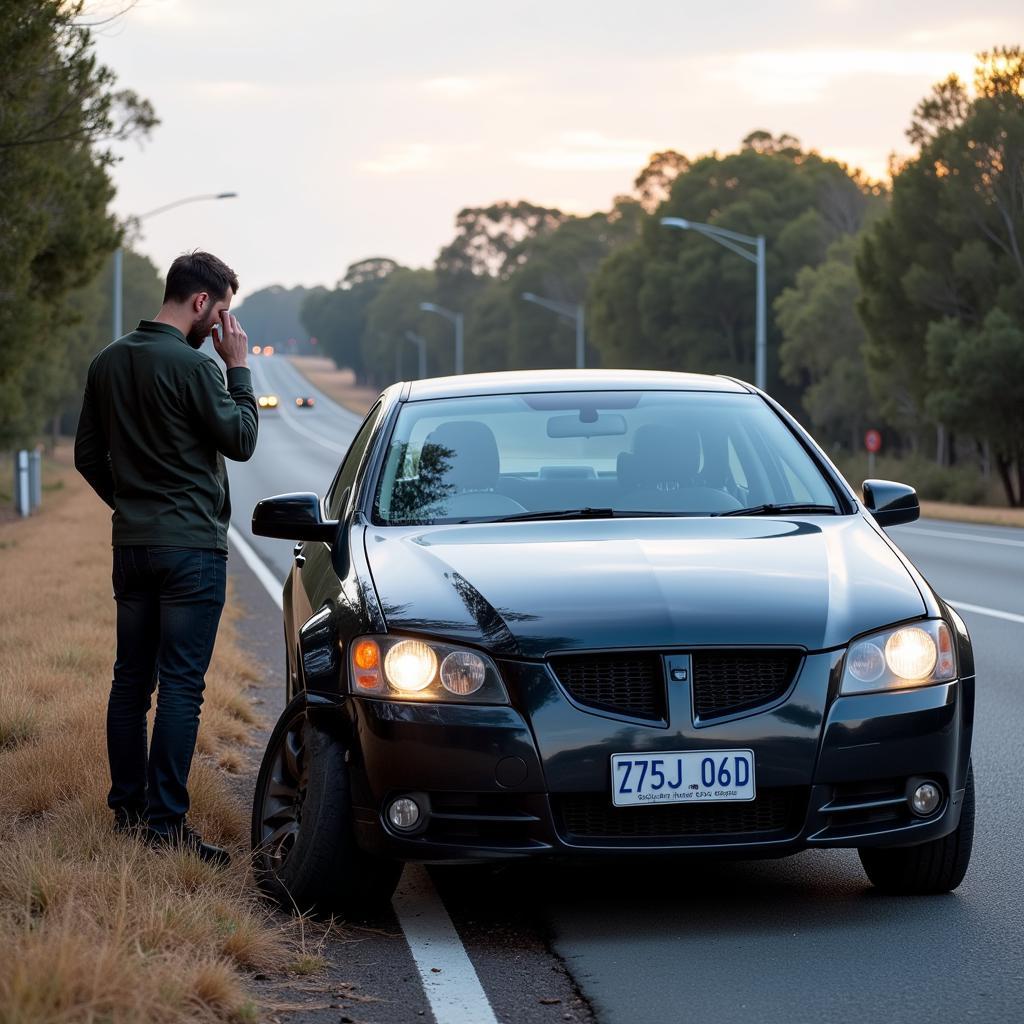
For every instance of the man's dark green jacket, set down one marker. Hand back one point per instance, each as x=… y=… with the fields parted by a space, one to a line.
x=157 y=422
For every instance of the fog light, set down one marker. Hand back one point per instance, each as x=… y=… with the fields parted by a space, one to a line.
x=925 y=799
x=404 y=814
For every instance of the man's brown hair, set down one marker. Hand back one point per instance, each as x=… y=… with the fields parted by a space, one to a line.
x=196 y=272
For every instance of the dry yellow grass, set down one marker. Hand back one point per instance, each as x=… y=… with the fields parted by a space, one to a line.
x=94 y=926
x=989 y=514
x=337 y=384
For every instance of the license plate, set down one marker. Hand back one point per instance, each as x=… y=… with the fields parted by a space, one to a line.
x=682 y=776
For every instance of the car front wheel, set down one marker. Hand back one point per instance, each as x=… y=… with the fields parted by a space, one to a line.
x=305 y=855
x=934 y=867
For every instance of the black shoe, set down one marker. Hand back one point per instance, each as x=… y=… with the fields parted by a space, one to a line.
x=184 y=837
x=127 y=822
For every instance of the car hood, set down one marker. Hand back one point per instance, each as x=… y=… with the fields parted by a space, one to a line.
x=534 y=589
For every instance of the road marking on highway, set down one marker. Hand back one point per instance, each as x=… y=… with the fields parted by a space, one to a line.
x=995 y=613
x=449 y=979
x=1005 y=541
x=271 y=584
x=338 y=449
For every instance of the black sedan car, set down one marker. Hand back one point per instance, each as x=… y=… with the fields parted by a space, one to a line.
x=605 y=613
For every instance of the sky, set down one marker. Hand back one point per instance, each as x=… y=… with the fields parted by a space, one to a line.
x=356 y=129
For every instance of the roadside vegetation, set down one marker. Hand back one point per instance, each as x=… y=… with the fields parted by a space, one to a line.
x=895 y=305
x=93 y=926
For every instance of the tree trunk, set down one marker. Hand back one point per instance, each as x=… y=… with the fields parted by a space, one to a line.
x=940 y=444
x=1003 y=465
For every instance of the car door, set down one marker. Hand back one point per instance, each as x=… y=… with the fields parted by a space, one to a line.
x=313 y=576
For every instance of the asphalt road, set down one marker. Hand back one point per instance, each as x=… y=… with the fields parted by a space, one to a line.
x=803 y=939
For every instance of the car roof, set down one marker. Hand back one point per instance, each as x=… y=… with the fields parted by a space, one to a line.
x=532 y=381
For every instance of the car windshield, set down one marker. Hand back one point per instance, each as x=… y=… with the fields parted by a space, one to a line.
x=592 y=454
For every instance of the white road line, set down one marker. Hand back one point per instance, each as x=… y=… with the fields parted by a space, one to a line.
x=271 y=584
x=449 y=979
x=1005 y=541
x=339 y=449
x=994 y=613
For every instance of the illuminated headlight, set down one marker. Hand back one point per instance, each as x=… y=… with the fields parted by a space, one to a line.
x=404 y=668
x=410 y=666
x=894 y=659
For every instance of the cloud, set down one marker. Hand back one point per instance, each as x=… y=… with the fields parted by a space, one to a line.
x=410 y=157
x=589 y=151
x=232 y=91
x=790 y=77
x=453 y=87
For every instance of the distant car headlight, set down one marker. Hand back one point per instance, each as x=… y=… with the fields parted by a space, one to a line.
x=403 y=668
x=898 y=658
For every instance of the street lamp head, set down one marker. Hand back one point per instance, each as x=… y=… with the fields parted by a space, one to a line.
x=226 y=195
x=428 y=307
x=529 y=296
x=675 y=222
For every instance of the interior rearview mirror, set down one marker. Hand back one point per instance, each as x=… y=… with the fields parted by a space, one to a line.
x=293 y=517
x=593 y=425
x=891 y=503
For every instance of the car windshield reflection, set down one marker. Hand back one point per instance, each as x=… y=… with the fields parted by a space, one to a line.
x=594 y=455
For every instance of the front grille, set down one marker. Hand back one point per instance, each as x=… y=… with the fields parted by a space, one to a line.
x=625 y=684
x=592 y=816
x=725 y=682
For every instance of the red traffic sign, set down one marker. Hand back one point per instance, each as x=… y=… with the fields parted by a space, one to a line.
x=872 y=440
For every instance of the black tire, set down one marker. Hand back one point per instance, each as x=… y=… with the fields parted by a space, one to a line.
x=304 y=850
x=934 y=867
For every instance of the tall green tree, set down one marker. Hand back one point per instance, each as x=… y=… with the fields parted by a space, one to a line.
x=822 y=341
x=271 y=316
x=977 y=387
x=337 y=318
x=392 y=313
x=676 y=300
x=59 y=109
x=951 y=247
x=505 y=332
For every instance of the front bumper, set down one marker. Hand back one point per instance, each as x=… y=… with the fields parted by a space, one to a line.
x=498 y=782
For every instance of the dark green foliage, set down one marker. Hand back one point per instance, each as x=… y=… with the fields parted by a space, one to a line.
x=272 y=316
x=58 y=108
x=949 y=252
x=337 y=318
x=676 y=300
x=821 y=352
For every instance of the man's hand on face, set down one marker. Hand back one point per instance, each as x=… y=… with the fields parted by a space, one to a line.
x=231 y=342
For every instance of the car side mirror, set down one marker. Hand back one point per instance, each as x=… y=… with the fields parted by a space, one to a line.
x=891 y=503
x=293 y=517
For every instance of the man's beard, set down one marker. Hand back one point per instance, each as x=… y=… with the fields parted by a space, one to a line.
x=200 y=331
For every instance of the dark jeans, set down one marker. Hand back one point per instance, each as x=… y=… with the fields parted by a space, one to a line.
x=169 y=601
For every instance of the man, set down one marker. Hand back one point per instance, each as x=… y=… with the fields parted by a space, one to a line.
x=157 y=422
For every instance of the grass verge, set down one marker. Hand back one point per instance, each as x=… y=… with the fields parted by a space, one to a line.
x=337 y=384
x=93 y=926
x=989 y=515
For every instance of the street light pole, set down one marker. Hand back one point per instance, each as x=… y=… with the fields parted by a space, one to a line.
x=421 y=343
x=118 y=296
x=571 y=311
x=751 y=248
x=456 y=319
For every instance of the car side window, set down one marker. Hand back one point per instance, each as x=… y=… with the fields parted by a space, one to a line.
x=350 y=464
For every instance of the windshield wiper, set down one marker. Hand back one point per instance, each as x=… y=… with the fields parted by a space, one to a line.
x=573 y=513
x=772 y=510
